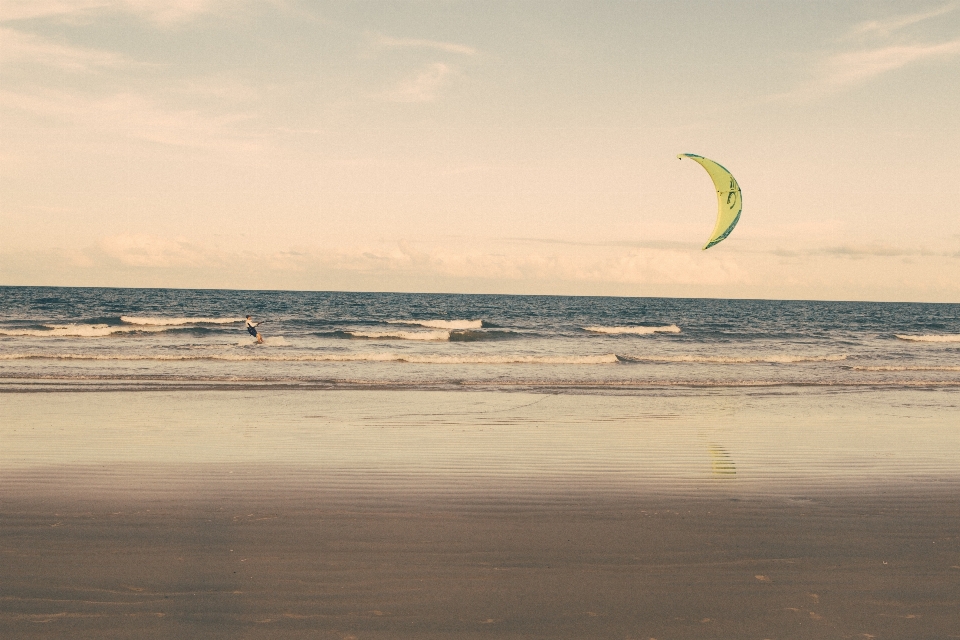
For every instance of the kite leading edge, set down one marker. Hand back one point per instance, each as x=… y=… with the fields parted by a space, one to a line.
x=729 y=198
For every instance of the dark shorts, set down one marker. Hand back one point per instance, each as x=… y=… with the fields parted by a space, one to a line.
x=252 y=331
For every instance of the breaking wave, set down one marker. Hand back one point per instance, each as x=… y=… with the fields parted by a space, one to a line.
x=400 y=335
x=478 y=336
x=641 y=331
x=130 y=324
x=166 y=322
x=454 y=335
x=931 y=338
x=77 y=331
x=441 y=324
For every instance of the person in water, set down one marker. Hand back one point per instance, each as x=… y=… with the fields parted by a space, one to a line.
x=252 y=330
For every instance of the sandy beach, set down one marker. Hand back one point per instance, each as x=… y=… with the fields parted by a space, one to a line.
x=272 y=527
x=272 y=562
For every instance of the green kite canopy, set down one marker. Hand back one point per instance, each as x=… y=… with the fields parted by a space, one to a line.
x=729 y=198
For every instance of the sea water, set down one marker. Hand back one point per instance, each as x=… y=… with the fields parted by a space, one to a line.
x=522 y=395
x=98 y=338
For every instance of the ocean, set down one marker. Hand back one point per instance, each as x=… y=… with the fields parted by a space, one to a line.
x=140 y=339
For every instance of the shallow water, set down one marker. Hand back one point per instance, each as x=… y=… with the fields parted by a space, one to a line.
x=490 y=443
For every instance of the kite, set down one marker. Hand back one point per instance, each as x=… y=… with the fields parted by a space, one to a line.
x=729 y=198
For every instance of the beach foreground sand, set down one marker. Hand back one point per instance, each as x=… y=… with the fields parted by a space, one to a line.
x=274 y=562
x=391 y=515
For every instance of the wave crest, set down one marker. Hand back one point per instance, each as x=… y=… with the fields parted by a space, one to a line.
x=641 y=331
x=166 y=322
x=76 y=331
x=441 y=324
x=400 y=335
x=930 y=338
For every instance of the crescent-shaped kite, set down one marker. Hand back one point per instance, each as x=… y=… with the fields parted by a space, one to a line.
x=729 y=198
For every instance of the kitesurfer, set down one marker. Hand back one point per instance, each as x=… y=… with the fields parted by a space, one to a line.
x=252 y=330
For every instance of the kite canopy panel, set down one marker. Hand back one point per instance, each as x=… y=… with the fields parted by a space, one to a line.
x=729 y=198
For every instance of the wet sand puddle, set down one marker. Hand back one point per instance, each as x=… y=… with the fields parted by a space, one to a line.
x=503 y=443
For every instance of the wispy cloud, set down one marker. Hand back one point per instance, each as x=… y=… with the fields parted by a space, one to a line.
x=484 y=265
x=890 y=25
x=387 y=42
x=158 y=11
x=423 y=86
x=26 y=9
x=477 y=260
x=883 y=251
x=855 y=66
x=22 y=48
x=879 y=49
x=858 y=251
x=135 y=117
x=138 y=250
x=520 y=262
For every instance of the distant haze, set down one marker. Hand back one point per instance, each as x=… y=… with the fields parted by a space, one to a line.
x=510 y=147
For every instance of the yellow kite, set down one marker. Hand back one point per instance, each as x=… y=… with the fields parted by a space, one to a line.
x=729 y=198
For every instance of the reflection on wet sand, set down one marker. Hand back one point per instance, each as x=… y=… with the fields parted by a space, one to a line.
x=513 y=443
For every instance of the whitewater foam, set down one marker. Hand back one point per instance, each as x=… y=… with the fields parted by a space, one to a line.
x=400 y=335
x=76 y=331
x=641 y=331
x=930 y=338
x=166 y=322
x=441 y=324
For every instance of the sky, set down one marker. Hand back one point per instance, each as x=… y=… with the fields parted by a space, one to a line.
x=482 y=146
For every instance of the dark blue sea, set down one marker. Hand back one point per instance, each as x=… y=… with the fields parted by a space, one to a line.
x=99 y=338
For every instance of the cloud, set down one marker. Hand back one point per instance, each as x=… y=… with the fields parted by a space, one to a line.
x=139 y=250
x=21 y=47
x=158 y=11
x=423 y=86
x=169 y=11
x=855 y=251
x=519 y=261
x=862 y=251
x=890 y=25
x=26 y=9
x=415 y=43
x=492 y=265
x=135 y=117
x=855 y=66
x=464 y=259
x=877 y=55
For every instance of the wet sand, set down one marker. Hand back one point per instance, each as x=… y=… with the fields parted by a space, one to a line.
x=274 y=562
x=404 y=515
